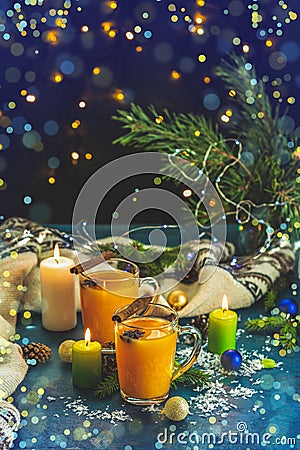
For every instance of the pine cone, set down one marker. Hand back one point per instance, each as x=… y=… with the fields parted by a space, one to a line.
x=201 y=322
x=37 y=351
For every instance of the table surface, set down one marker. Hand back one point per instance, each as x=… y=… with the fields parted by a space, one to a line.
x=241 y=410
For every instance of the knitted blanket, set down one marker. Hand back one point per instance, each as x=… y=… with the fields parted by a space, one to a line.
x=22 y=246
x=244 y=280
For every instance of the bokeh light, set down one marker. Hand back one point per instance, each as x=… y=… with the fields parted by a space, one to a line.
x=68 y=66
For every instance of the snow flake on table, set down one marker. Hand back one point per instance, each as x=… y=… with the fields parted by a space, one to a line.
x=218 y=399
x=80 y=408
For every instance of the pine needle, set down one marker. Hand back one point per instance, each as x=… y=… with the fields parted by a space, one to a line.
x=288 y=336
x=193 y=376
x=286 y=328
x=108 y=386
x=266 y=171
x=155 y=265
x=270 y=300
x=265 y=323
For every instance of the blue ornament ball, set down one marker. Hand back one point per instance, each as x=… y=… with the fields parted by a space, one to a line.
x=231 y=360
x=289 y=306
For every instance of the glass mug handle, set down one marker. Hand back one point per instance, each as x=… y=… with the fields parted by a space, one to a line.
x=152 y=283
x=189 y=361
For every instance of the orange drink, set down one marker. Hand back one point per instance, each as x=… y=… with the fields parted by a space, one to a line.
x=145 y=352
x=99 y=300
x=146 y=364
x=107 y=287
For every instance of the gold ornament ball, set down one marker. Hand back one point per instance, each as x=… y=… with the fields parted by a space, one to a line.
x=177 y=299
x=65 y=350
x=176 y=408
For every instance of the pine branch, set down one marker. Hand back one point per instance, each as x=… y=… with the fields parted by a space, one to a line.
x=186 y=135
x=286 y=329
x=156 y=265
x=279 y=285
x=269 y=178
x=193 y=376
x=252 y=98
x=288 y=336
x=108 y=386
x=273 y=323
x=270 y=300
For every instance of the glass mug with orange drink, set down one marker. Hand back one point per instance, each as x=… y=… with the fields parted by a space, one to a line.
x=106 y=287
x=145 y=352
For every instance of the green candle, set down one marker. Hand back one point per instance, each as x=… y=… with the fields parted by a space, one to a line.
x=222 y=329
x=86 y=363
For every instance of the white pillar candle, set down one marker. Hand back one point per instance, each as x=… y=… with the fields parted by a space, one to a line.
x=58 y=293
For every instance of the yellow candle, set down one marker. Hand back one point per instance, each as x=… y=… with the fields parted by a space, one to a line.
x=222 y=329
x=58 y=293
x=86 y=363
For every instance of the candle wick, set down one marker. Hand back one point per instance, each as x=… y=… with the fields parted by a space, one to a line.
x=57 y=260
x=86 y=343
x=224 y=309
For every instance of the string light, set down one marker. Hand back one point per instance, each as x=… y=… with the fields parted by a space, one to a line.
x=30 y=98
x=187 y=193
x=201 y=58
x=75 y=124
x=129 y=35
x=200 y=31
x=159 y=119
x=75 y=155
x=243 y=210
x=175 y=75
x=51 y=180
x=57 y=77
x=224 y=118
x=113 y=5
x=198 y=18
x=119 y=95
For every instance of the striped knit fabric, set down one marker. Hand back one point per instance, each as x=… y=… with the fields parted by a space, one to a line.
x=9 y=422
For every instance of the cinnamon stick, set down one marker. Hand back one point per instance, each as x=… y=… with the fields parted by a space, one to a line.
x=138 y=305
x=90 y=263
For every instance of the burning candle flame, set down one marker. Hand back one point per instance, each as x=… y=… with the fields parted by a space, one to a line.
x=87 y=337
x=225 y=303
x=56 y=253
